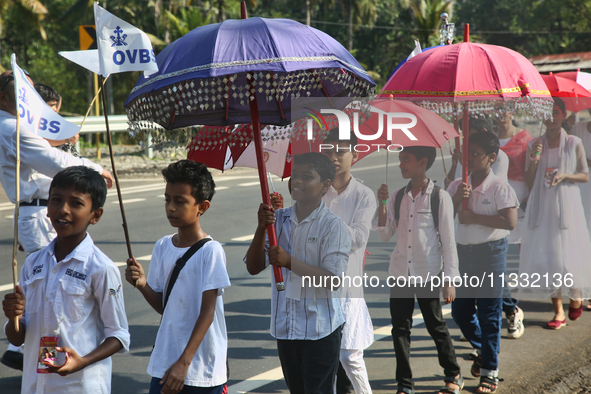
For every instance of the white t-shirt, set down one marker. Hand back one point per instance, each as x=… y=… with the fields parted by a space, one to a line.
x=500 y=167
x=205 y=270
x=491 y=196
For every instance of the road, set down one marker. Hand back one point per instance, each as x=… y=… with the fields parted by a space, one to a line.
x=252 y=353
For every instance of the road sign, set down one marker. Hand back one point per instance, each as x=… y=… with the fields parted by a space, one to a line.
x=87 y=37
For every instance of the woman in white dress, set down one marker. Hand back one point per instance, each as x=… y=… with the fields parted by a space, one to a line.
x=556 y=247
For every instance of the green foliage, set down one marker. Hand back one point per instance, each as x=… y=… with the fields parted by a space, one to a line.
x=528 y=26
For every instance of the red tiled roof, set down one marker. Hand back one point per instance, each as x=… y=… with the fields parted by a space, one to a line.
x=562 y=62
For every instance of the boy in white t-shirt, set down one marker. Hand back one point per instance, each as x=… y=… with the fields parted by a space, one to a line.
x=191 y=345
x=482 y=251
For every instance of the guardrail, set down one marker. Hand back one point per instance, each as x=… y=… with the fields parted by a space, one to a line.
x=96 y=124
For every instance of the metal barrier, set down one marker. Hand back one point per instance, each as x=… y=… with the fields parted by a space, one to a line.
x=96 y=124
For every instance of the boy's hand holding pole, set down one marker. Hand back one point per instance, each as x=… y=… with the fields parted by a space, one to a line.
x=134 y=273
x=278 y=256
x=383 y=196
x=13 y=306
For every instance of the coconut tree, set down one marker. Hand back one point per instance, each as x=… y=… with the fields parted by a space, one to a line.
x=427 y=16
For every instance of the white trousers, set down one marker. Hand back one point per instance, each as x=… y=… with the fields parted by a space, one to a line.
x=354 y=366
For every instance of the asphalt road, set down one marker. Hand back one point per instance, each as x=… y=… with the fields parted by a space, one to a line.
x=532 y=363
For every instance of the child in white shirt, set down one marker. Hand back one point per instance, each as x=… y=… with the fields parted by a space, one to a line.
x=482 y=251
x=191 y=345
x=70 y=296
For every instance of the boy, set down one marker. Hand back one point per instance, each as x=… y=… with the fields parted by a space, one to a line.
x=191 y=345
x=482 y=249
x=420 y=246
x=72 y=291
x=313 y=248
x=355 y=204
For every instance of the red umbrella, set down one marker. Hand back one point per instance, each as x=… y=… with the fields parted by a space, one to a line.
x=225 y=155
x=473 y=79
x=576 y=98
x=582 y=78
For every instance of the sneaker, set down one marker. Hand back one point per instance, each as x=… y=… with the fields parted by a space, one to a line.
x=13 y=360
x=516 y=328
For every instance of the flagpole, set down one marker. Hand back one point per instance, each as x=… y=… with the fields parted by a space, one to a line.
x=109 y=139
x=18 y=197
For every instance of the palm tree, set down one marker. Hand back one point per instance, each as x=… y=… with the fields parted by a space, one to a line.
x=358 y=11
x=427 y=16
x=34 y=12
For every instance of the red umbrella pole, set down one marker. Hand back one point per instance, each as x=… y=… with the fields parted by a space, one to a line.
x=258 y=145
x=465 y=127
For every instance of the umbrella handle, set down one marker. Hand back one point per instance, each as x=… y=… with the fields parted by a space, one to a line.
x=258 y=145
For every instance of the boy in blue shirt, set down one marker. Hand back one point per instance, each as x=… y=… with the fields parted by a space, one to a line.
x=313 y=249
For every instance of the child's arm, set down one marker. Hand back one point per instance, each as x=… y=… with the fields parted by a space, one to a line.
x=448 y=245
x=360 y=226
x=506 y=219
x=533 y=151
x=335 y=248
x=14 y=309
x=174 y=378
x=75 y=363
x=134 y=274
x=582 y=174
x=255 y=256
x=462 y=191
x=383 y=221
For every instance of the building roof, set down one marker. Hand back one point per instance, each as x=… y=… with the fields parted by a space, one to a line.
x=562 y=62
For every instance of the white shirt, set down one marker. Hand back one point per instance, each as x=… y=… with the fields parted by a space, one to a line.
x=205 y=270
x=418 y=251
x=500 y=167
x=491 y=196
x=302 y=311
x=355 y=206
x=84 y=293
x=39 y=162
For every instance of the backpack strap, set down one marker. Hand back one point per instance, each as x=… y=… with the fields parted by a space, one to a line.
x=397 y=203
x=435 y=203
x=180 y=263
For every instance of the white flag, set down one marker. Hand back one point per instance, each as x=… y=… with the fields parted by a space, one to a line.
x=36 y=116
x=121 y=46
x=415 y=51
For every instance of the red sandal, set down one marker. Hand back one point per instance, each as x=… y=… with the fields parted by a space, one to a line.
x=556 y=324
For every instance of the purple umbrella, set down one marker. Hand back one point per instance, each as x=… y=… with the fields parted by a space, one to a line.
x=245 y=71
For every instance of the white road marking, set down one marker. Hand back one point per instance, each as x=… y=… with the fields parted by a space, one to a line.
x=130 y=201
x=7 y=208
x=244 y=238
x=249 y=183
x=9 y=217
x=275 y=374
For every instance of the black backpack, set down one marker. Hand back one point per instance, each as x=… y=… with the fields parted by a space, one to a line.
x=435 y=201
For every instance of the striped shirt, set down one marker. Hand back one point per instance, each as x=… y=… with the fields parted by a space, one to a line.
x=321 y=240
x=418 y=250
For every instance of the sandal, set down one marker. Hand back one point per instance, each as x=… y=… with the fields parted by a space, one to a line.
x=404 y=390
x=459 y=381
x=488 y=383
x=475 y=370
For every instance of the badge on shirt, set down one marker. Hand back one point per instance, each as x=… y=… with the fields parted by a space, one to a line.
x=114 y=292
x=312 y=240
x=486 y=202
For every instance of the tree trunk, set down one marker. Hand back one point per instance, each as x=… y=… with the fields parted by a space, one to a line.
x=221 y=12
x=308 y=12
x=350 y=26
x=157 y=12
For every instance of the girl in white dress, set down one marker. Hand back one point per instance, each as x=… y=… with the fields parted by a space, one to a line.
x=556 y=248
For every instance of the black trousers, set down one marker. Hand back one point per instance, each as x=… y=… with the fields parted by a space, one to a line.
x=310 y=367
x=401 y=311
